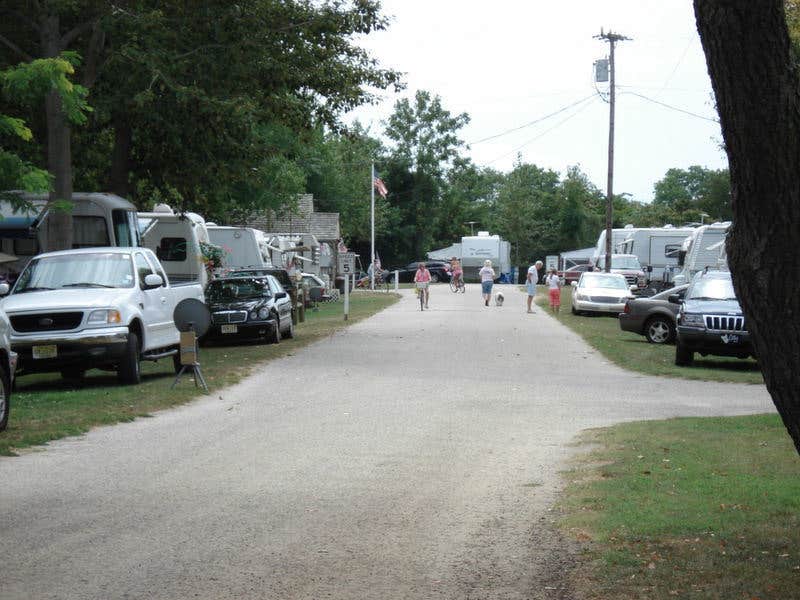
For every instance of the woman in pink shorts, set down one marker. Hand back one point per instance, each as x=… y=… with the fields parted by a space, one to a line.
x=553 y=282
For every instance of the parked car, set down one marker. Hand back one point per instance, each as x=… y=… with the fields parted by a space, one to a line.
x=8 y=364
x=710 y=320
x=600 y=293
x=288 y=283
x=317 y=289
x=249 y=308
x=107 y=308
x=652 y=317
x=440 y=271
x=574 y=273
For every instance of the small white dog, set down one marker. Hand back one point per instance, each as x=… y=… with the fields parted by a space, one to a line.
x=499 y=298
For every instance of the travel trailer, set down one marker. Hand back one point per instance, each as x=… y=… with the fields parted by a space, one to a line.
x=243 y=247
x=477 y=249
x=705 y=247
x=97 y=220
x=176 y=239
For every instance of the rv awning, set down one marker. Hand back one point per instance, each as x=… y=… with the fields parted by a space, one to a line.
x=7 y=258
x=18 y=227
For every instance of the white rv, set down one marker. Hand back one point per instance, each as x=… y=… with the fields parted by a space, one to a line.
x=176 y=240
x=243 y=247
x=478 y=248
x=705 y=247
x=97 y=220
x=657 y=248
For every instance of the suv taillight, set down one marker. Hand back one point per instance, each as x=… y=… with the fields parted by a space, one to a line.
x=627 y=309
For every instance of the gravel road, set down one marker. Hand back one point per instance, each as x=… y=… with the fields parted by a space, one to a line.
x=413 y=455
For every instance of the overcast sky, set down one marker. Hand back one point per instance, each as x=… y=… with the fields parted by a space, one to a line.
x=510 y=62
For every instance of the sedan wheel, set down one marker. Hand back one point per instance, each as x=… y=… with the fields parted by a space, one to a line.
x=434 y=278
x=659 y=330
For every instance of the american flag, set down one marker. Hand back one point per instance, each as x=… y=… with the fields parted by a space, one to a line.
x=381 y=187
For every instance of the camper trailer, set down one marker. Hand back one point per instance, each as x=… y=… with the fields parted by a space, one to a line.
x=176 y=239
x=244 y=247
x=97 y=220
x=705 y=247
x=657 y=248
x=476 y=249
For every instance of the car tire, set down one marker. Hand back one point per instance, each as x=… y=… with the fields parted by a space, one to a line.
x=128 y=371
x=683 y=356
x=275 y=332
x=5 y=396
x=176 y=361
x=434 y=278
x=290 y=330
x=659 y=330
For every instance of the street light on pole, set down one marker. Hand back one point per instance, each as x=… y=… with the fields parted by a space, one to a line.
x=471 y=226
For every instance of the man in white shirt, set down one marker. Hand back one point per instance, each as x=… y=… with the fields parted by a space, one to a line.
x=532 y=280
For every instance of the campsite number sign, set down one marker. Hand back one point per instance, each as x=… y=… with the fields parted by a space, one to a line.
x=347 y=262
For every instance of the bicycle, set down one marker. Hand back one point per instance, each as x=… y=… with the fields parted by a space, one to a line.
x=457 y=284
x=422 y=290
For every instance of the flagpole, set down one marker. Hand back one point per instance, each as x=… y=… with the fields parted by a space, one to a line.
x=372 y=225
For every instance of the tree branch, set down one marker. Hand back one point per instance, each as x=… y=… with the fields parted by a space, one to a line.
x=8 y=43
x=70 y=36
x=24 y=18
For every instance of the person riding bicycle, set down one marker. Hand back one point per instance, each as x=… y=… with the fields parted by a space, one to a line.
x=423 y=276
x=456 y=271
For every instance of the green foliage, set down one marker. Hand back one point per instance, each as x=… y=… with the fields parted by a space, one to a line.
x=686 y=193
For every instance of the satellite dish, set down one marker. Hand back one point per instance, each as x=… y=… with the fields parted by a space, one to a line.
x=192 y=315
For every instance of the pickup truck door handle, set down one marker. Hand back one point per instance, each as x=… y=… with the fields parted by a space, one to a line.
x=141 y=305
x=163 y=300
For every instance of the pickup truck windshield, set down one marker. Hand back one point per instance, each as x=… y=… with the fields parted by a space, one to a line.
x=231 y=290
x=91 y=270
x=621 y=262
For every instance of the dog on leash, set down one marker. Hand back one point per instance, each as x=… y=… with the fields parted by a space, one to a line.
x=499 y=299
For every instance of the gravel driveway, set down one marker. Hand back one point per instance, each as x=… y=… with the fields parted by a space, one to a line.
x=416 y=458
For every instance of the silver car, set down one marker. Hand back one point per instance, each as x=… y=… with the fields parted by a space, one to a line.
x=600 y=293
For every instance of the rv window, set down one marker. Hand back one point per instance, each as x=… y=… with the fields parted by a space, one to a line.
x=172 y=249
x=26 y=247
x=89 y=232
x=126 y=227
x=672 y=250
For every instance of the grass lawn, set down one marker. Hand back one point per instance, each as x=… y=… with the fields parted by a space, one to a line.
x=687 y=508
x=635 y=353
x=44 y=407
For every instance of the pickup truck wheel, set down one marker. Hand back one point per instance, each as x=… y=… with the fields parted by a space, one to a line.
x=176 y=362
x=659 y=330
x=683 y=356
x=5 y=396
x=73 y=376
x=128 y=371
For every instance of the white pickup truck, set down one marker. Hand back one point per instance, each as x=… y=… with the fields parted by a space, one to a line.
x=106 y=308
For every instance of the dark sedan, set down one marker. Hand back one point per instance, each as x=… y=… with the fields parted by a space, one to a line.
x=653 y=317
x=249 y=308
x=440 y=271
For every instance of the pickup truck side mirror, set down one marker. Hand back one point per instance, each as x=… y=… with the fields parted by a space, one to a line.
x=674 y=299
x=4 y=289
x=152 y=281
x=279 y=295
x=634 y=289
x=574 y=284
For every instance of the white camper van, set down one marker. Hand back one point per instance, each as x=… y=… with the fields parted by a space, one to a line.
x=476 y=249
x=657 y=248
x=176 y=239
x=244 y=247
x=703 y=248
x=97 y=220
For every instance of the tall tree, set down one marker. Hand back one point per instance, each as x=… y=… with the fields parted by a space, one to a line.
x=690 y=192
x=755 y=77
x=426 y=141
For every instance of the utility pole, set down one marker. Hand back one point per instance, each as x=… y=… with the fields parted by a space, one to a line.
x=612 y=39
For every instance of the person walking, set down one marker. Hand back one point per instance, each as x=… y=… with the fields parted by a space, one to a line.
x=533 y=279
x=423 y=276
x=487 y=281
x=553 y=282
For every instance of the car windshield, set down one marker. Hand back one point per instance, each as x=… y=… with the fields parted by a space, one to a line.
x=712 y=289
x=604 y=281
x=229 y=290
x=622 y=262
x=90 y=270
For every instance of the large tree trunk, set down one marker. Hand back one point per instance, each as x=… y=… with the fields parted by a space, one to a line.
x=118 y=182
x=59 y=153
x=749 y=59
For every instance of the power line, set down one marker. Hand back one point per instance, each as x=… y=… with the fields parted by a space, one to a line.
x=681 y=110
x=539 y=120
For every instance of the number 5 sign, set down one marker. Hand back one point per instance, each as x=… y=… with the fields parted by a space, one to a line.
x=347 y=262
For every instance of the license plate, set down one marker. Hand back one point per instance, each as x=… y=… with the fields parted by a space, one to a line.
x=45 y=351
x=229 y=328
x=730 y=338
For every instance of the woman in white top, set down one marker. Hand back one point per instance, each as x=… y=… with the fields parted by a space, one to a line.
x=553 y=282
x=487 y=280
